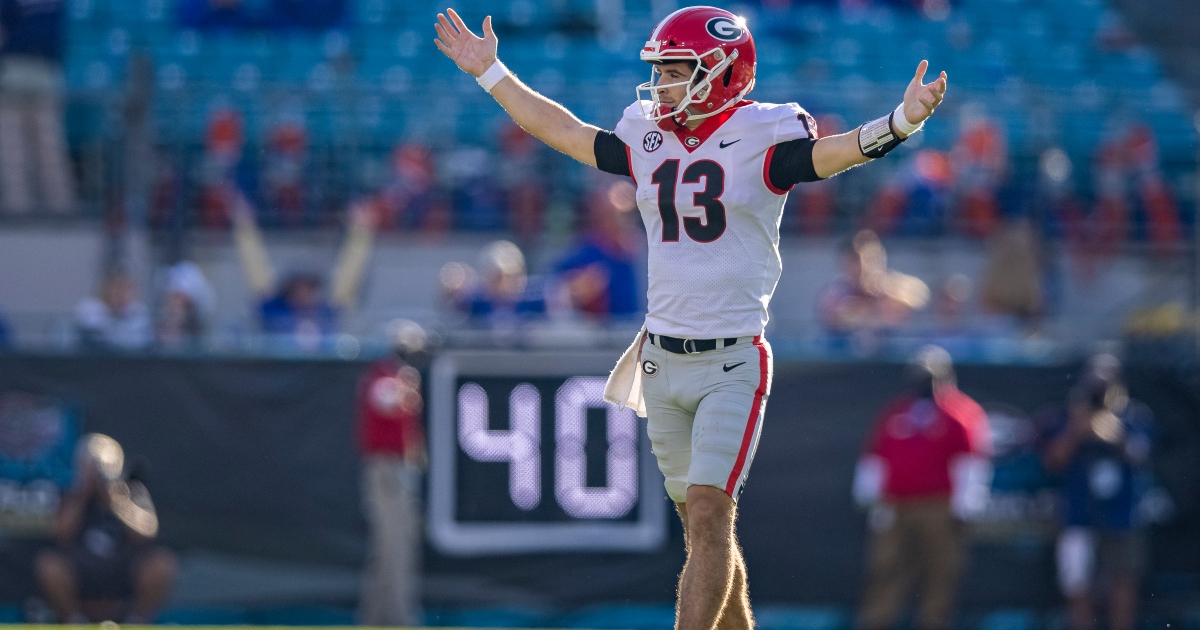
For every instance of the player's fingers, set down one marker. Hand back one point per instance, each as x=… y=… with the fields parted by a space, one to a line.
x=487 y=28
x=444 y=35
x=458 y=22
x=447 y=28
x=442 y=47
x=920 y=74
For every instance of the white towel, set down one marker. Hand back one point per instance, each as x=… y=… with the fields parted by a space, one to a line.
x=624 y=386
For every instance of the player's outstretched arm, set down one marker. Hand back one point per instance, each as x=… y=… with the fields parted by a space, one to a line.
x=834 y=154
x=546 y=120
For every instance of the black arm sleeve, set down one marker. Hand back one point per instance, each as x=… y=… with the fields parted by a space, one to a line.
x=792 y=163
x=612 y=156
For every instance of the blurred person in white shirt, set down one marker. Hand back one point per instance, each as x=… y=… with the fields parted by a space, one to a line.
x=115 y=319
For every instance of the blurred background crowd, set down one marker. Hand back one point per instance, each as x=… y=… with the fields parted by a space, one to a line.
x=212 y=211
x=163 y=133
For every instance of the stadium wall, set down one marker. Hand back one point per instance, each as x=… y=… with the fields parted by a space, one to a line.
x=256 y=459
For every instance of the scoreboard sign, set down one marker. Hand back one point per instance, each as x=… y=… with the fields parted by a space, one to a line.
x=526 y=456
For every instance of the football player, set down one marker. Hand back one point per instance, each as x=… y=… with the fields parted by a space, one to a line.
x=712 y=171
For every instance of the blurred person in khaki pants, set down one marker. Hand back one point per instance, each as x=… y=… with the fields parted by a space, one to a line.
x=926 y=470
x=392 y=443
x=35 y=169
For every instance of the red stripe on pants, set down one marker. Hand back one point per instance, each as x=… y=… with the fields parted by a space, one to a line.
x=752 y=421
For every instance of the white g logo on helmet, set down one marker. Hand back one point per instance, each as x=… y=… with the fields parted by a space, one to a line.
x=723 y=29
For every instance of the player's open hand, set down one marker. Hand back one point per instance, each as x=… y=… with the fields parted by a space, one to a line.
x=472 y=53
x=920 y=99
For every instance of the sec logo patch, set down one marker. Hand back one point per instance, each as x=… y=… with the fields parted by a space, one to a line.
x=649 y=368
x=652 y=141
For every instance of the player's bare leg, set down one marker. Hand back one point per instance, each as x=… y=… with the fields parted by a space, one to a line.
x=57 y=579
x=706 y=586
x=736 y=614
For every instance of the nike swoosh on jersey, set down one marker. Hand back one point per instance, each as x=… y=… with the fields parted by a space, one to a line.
x=724 y=144
x=729 y=366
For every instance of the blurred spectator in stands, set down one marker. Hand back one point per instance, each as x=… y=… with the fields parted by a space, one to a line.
x=116 y=319
x=523 y=176
x=32 y=130
x=951 y=304
x=1012 y=279
x=1112 y=215
x=220 y=186
x=868 y=296
x=814 y=205
x=1062 y=213
x=459 y=281
x=295 y=310
x=502 y=294
x=187 y=303
x=1128 y=177
x=166 y=189
x=409 y=200
x=284 y=172
x=599 y=271
x=107 y=565
x=980 y=161
x=392 y=444
x=478 y=199
x=925 y=471
x=916 y=200
x=1099 y=445
x=1163 y=224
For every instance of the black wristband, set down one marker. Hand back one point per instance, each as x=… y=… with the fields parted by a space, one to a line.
x=877 y=138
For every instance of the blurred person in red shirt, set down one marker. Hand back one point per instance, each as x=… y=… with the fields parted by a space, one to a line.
x=925 y=471
x=287 y=157
x=980 y=160
x=1164 y=228
x=1126 y=171
x=223 y=142
x=815 y=203
x=392 y=444
x=409 y=200
x=521 y=176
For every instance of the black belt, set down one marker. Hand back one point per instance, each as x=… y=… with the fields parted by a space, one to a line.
x=688 y=346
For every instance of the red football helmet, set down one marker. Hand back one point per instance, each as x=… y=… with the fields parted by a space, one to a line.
x=720 y=44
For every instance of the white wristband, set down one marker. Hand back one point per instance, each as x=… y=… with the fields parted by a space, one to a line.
x=492 y=76
x=902 y=124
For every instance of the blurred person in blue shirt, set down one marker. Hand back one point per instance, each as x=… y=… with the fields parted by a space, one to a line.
x=1099 y=446
x=507 y=290
x=599 y=271
x=916 y=200
x=296 y=310
x=500 y=293
x=35 y=170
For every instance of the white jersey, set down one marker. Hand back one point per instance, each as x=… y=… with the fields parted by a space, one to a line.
x=712 y=217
